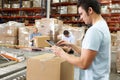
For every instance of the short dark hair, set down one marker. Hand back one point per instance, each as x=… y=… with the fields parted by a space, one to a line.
x=94 y=4
x=66 y=32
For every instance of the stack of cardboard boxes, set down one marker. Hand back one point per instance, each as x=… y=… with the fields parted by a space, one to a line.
x=49 y=27
x=8 y=35
x=24 y=33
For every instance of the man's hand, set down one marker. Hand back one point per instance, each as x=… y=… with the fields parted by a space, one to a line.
x=58 y=51
x=62 y=43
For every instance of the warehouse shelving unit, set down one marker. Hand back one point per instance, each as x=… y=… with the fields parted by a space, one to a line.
x=66 y=21
x=21 y=14
x=113 y=19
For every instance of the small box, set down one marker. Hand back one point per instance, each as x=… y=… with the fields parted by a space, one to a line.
x=40 y=41
x=49 y=67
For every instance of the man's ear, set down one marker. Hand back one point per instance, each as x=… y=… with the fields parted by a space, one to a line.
x=90 y=10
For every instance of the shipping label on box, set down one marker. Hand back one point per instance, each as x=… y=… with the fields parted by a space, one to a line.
x=49 y=67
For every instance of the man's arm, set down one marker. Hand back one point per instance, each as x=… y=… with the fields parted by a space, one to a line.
x=84 y=61
x=75 y=48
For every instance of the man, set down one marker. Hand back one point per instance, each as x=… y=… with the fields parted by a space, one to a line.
x=32 y=36
x=68 y=37
x=94 y=56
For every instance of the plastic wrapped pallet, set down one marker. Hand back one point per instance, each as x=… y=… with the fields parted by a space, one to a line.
x=77 y=32
x=11 y=40
x=8 y=31
x=24 y=33
x=8 y=40
x=49 y=26
x=2 y=41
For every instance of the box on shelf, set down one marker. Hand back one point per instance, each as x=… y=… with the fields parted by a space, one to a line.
x=64 y=0
x=37 y=3
x=73 y=0
x=72 y=9
x=2 y=41
x=26 y=4
x=15 y=5
x=55 y=1
x=49 y=67
x=6 y=5
x=40 y=41
x=63 y=10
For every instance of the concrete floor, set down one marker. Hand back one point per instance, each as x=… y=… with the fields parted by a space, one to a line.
x=113 y=76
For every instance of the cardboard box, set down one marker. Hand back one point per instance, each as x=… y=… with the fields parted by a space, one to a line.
x=24 y=33
x=63 y=10
x=26 y=4
x=49 y=67
x=55 y=1
x=8 y=40
x=9 y=31
x=72 y=9
x=40 y=41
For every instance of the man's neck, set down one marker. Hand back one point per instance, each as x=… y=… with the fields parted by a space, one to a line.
x=96 y=18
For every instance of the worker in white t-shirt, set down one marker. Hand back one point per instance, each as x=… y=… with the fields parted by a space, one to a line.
x=67 y=36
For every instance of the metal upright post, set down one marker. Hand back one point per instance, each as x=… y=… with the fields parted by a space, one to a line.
x=48 y=8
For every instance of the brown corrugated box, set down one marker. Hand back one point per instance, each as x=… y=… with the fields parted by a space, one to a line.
x=72 y=9
x=11 y=40
x=8 y=31
x=49 y=67
x=8 y=40
x=2 y=41
x=40 y=41
x=26 y=4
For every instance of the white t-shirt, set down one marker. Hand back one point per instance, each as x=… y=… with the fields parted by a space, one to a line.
x=98 y=38
x=70 y=39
